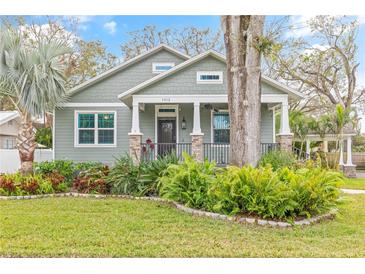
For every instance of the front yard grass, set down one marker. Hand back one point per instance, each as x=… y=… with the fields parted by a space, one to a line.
x=75 y=227
x=355 y=183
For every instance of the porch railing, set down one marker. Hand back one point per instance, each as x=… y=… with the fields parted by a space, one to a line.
x=151 y=151
x=218 y=152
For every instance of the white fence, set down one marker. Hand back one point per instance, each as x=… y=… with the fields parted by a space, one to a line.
x=10 y=161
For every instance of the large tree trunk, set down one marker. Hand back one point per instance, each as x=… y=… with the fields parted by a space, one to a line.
x=241 y=35
x=26 y=145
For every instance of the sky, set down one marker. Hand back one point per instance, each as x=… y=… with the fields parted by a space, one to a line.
x=112 y=31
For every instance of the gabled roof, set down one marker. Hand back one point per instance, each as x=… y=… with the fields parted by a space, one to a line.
x=6 y=116
x=274 y=83
x=126 y=64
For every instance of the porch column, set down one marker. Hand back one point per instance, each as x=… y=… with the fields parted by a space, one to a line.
x=285 y=137
x=307 y=149
x=349 y=168
x=340 y=163
x=197 y=136
x=135 y=136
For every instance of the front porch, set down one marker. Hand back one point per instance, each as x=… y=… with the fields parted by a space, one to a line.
x=198 y=125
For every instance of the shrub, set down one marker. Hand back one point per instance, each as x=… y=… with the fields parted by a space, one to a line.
x=277 y=159
x=188 y=182
x=17 y=184
x=138 y=180
x=92 y=180
x=63 y=167
x=283 y=194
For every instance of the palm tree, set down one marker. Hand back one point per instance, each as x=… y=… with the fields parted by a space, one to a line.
x=33 y=79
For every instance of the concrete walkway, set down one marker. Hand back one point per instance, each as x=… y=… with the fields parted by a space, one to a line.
x=353 y=191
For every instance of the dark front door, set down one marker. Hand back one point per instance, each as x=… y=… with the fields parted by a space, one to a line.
x=166 y=135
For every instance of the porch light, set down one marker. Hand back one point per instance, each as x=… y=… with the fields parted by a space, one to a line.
x=183 y=123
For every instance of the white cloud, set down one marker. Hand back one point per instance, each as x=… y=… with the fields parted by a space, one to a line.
x=315 y=48
x=300 y=26
x=111 y=27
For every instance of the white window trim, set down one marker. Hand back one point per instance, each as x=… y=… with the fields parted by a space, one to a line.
x=199 y=73
x=211 y=125
x=76 y=128
x=169 y=115
x=154 y=65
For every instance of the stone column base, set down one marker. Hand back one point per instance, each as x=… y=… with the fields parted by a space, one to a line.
x=197 y=149
x=286 y=142
x=135 y=140
x=349 y=171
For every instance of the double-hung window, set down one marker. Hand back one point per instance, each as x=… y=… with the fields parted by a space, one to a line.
x=95 y=128
x=221 y=127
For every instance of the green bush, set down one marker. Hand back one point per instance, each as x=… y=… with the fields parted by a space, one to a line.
x=43 y=136
x=66 y=168
x=188 y=182
x=139 y=180
x=281 y=194
x=62 y=167
x=277 y=159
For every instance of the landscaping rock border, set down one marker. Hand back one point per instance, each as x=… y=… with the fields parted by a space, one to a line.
x=196 y=212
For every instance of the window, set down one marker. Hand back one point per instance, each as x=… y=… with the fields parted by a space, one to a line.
x=95 y=129
x=221 y=127
x=9 y=143
x=209 y=77
x=161 y=67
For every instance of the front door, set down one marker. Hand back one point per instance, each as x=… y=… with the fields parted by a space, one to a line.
x=166 y=135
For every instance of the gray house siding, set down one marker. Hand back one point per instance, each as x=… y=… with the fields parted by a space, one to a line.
x=184 y=82
x=64 y=137
x=107 y=91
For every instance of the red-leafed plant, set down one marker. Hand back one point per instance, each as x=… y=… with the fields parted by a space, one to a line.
x=7 y=184
x=92 y=180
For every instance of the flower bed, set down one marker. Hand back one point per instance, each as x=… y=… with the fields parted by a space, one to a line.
x=246 y=194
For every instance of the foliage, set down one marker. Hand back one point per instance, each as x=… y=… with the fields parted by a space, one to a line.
x=277 y=159
x=92 y=180
x=189 y=40
x=43 y=136
x=17 y=184
x=127 y=178
x=34 y=80
x=64 y=168
x=325 y=70
x=283 y=194
x=188 y=182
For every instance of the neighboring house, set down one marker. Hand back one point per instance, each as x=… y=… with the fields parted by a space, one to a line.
x=176 y=101
x=9 y=126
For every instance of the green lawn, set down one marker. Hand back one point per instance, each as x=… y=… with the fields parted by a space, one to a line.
x=75 y=227
x=357 y=183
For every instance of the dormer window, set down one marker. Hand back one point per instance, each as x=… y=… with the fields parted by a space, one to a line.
x=209 y=77
x=161 y=67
